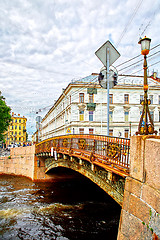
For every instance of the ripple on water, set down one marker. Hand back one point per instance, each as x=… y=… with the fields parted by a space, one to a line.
x=60 y=211
x=9 y=213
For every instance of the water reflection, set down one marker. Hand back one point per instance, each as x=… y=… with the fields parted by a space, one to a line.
x=72 y=208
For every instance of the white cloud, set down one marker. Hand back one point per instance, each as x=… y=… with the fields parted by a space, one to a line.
x=45 y=44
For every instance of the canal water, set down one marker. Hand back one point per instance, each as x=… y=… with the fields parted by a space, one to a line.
x=71 y=207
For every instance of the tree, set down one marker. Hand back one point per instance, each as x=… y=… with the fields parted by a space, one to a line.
x=26 y=136
x=5 y=116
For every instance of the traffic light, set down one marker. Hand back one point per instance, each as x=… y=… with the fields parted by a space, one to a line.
x=100 y=77
x=115 y=79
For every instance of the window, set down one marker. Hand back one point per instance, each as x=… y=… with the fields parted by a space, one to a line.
x=110 y=116
x=15 y=133
x=126 y=133
x=90 y=98
x=81 y=115
x=19 y=127
x=151 y=98
x=19 y=139
x=159 y=116
x=152 y=115
x=126 y=114
x=110 y=132
x=111 y=98
x=19 y=120
x=19 y=133
x=159 y=131
x=15 y=127
x=15 y=120
x=81 y=130
x=81 y=97
x=90 y=130
x=90 y=115
x=126 y=98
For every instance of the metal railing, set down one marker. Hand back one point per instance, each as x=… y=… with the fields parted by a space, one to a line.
x=106 y=151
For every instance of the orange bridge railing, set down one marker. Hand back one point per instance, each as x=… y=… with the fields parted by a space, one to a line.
x=111 y=153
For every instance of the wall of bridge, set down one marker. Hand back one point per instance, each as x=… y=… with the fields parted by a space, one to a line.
x=140 y=214
x=20 y=162
x=23 y=162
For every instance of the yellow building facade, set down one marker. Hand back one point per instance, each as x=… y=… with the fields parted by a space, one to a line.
x=16 y=133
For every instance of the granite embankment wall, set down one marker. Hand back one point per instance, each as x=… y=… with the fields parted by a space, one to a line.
x=20 y=162
x=23 y=162
x=140 y=214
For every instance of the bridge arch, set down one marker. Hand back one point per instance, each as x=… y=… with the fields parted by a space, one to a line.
x=112 y=185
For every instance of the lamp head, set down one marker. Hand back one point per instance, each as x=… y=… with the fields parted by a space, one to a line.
x=145 y=45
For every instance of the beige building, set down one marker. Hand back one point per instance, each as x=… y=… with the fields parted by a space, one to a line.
x=82 y=108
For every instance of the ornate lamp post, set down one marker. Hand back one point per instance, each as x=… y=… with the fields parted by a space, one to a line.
x=146 y=125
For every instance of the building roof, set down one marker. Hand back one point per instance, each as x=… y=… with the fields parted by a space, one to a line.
x=14 y=115
x=88 y=79
x=123 y=81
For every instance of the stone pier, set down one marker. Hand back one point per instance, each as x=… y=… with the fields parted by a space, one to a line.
x=21 y=162
x=140 y=214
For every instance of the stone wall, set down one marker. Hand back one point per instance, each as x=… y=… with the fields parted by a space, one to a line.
x=140 y=214
x=20 y=162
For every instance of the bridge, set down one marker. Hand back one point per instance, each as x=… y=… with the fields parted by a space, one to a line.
x=129 y=171
x=102 y=159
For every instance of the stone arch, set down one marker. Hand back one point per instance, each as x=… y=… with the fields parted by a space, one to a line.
x=109 y=187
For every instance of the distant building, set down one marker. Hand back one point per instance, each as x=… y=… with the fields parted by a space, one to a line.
x=16 y=133
x=35 y=137
x=82 y=108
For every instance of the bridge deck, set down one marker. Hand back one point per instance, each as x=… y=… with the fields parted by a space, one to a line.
x=110 y=153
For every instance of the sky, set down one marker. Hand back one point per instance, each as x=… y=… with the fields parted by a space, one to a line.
x=45 y=44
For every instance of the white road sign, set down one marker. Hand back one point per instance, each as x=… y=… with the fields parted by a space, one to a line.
x=101 y=53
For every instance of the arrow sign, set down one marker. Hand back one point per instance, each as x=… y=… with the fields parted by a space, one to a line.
x=101 y=53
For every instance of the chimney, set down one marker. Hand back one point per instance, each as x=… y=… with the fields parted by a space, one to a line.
x=12 y=113
x=18 y=115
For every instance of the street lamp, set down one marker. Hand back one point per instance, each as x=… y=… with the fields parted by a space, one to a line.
x=146 y=125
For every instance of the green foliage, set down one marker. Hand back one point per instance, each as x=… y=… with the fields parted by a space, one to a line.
x=5 y=116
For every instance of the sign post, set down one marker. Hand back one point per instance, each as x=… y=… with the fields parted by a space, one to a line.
x=107 y=54
x=107 y=64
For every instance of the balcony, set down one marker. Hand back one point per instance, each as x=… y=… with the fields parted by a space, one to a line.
x=91 y=106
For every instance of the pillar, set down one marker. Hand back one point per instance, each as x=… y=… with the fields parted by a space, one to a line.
x=140 y=214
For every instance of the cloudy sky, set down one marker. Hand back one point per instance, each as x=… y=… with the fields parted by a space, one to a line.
x=44 y=44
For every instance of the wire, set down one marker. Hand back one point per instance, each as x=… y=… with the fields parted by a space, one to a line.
x=129 y=22
x=78 y=90
x=139 y=61
x=136 y=56
x=149 y=23
x=142 y=69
